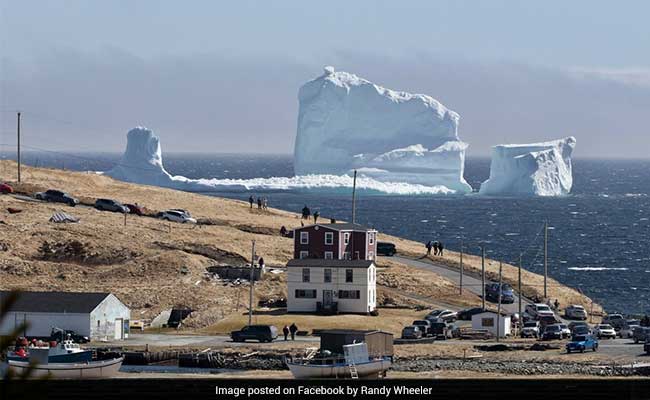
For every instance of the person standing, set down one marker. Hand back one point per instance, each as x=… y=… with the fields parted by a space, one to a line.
x=251 y=200
x=265 y=203
x=305 y=212
x=429 y=245
x=316 y=215
x=293 y=329
x=259 y=203
x=435 y=248
x=260 y=262
x=285 y=330
x=441 y=247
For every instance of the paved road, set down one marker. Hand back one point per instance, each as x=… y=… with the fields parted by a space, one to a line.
x=469 y=282
x=156 y=339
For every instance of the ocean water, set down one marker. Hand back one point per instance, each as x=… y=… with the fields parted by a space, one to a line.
x=599 y=236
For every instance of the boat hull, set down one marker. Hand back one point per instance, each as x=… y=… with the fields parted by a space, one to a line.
x=95 y=369
x=372 y=369
x=76 y=357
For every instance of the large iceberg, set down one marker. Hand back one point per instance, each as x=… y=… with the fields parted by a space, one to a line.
x=537 y=169
x=346 y=123
x=142 y=163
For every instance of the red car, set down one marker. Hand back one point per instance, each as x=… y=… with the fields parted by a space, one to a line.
x=135 y=209
x=5 y=189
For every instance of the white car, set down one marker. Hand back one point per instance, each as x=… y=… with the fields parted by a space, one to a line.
x=627 y=331
x=575 y=311
x=566 y=332
x=530 y=329
x=177 y=216
x=604 y=331
x=443 y=315
x=539 y=310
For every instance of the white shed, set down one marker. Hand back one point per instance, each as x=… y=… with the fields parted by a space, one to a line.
x=488 y=321
x=95 y=315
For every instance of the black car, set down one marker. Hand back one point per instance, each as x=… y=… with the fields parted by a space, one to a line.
x=110 y=205
x=440 y=330
x=552 y=332
x=386 y=249
x=60 y=335
x=57 y=196
x=424 y=325
x=262 y=333
x=492 y=293
x=466 y=314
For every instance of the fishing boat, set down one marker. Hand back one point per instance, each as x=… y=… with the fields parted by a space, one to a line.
x=63 y=370
x=355 y=363
x=65 y=352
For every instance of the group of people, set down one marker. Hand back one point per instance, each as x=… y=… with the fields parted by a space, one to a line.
x=306 y=213
x=262 y=202
x=437 y=247
x=290 y=329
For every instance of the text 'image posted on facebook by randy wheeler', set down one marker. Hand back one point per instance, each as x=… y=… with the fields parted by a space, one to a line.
x=345 y=198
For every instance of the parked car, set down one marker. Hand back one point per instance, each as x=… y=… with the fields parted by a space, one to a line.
x=545 y=320
x=441 y=330
x=135 y=209
x=552 y=332
x=60 y=335
x=386 y=249
x=604 y=331
x=182 y=211
x=538 y=310
x=262 y=333
x=627 y=330
x=575 y=311
x=5 y=188
x=56 y=196
x=530 y=329
x=566 y=332
x=136 y=324
x=411 y=332
x=641 y=334
x=424 y=325
x=111 y=205
x=466 y=314
x=492 y=292
x=615 y=320
x=176 y=216
x=442 y=315
x=581 y=343
x=573 y=325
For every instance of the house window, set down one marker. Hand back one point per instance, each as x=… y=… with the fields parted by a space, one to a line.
x=488 y=322
x=305 y=274
x=346 y=255
x=304 y=254
x=349 y=294
x=329 y=237
x=371 y=238
x=329 y=255
x=356 y=255
x=328 y=275
x=346 y=238
x=305 y=294
x=348 y=275
x=304 y=237
x=371 y=255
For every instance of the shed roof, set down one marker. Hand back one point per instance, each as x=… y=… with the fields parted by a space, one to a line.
x=321 y=262
x=55 y=302
x=341 y=226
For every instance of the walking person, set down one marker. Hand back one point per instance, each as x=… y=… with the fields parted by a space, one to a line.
x=265 y=203
x=260 y=262
x=429 y=245
x=306 y=212
x=316 y=215
x=283 y=231
x=293 y=329
x=251 y=200
x=435 y=248
x=285 y=330
x=441 y=247
x=259 y=203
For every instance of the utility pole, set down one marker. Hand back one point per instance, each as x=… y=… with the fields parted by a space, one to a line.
x=499 y=306
x=461 y=266
x=521 y=316
x=483 y=276
x=18 y=147
x=354 y=199
x=252 y=280
x=545 y=258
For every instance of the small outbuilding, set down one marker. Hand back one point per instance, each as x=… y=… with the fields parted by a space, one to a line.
x=99 y=316
x=488 y=321
x=380 y=344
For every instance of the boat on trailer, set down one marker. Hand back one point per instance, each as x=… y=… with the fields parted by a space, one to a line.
x=40 y=366
x=353 y=364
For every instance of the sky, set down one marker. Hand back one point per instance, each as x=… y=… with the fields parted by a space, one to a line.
x=223 y=76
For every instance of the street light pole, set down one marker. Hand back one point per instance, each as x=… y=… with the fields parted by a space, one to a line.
x=461 y=266
x=18 y=146
x=521 y=316
x=252 y=280
x=499 y=305
x=483 y=276
x=545 y=258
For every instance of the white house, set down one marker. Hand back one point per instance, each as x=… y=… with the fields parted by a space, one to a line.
x=95 y=315
x=331 y=286
x=488 y=321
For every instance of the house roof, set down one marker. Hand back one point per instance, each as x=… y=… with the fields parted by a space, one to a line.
x=55 y=302
x=320 y=262
x=344 y=332
x=340 y=226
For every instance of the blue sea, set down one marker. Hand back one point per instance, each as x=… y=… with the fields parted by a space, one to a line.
x=599 y=236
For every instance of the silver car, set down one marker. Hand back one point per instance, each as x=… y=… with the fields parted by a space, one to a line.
x=575 y=311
